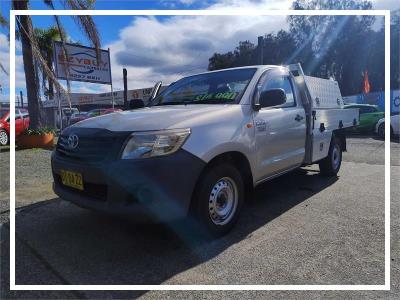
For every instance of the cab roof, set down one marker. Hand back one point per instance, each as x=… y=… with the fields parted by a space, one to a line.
x=262 y=67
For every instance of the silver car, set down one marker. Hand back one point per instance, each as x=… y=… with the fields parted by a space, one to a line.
x=203 y=144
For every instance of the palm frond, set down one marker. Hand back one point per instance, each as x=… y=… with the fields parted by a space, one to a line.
x=49 y=3
x=3 y=69
x=62 y=36
x=86 y=23
x=3 y=21
x=39 y=57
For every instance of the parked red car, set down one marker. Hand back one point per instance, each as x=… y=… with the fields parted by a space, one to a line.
x=21 y=123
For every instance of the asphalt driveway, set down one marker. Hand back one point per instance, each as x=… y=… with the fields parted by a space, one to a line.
x=301 y=228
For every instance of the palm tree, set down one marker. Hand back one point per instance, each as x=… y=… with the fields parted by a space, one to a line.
x=45 y=39
x=3 y=23
x=31 y=51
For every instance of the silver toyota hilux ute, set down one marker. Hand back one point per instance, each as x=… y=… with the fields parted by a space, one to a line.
x=199 y=146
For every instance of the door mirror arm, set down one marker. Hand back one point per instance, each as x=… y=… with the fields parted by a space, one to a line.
x=256 y=106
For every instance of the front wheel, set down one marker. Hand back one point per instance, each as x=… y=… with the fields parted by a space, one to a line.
x=218 y=199
x=3 y=137
x=330 y=165
x=381 y=130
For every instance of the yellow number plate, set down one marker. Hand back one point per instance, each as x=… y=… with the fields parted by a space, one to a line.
x=72 y=179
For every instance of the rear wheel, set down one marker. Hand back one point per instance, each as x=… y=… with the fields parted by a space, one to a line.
x=381 y=131
x=330 y=165
x=218 y=199
x=3 y=137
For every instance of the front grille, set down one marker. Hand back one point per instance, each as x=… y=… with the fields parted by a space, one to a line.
x=93 y=145
x=93 y=191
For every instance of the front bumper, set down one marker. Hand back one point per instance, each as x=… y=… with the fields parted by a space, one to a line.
x=159 y=187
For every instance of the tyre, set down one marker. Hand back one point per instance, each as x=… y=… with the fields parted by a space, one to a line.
x=330 y=165
x=381 y=130
x=218 y=199
x=3 y=137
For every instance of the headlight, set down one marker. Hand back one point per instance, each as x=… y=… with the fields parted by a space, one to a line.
x=154 y=143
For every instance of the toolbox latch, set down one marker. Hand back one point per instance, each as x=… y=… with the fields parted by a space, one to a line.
x=313 y=113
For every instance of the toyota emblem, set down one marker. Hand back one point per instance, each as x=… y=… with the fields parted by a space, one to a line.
x=72 y=141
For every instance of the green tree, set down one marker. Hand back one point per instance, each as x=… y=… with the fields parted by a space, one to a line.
x=3 y=23
x=243 y=55
x=342 y=47
x=221 y=61
x=31 y=51
x=277 y=49
x=339 y=47
x=45 y=39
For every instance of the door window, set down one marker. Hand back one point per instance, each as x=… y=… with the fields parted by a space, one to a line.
x=17 y=115
x=366 y=110
x=279 y=82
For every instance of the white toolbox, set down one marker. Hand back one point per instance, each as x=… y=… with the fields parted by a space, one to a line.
x=324 y=93
x=324 y=104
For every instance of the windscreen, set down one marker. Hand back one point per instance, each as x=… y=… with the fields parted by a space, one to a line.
x=216 y=87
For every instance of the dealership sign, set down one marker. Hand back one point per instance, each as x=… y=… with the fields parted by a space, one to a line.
x=82 y=64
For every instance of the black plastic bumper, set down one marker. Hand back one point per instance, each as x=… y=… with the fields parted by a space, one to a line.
x=159 y=187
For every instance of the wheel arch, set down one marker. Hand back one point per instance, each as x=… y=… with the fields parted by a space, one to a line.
x=6 y=130
x=341 y=135
x=236 y=158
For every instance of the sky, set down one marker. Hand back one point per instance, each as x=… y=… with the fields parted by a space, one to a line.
x=158 y=48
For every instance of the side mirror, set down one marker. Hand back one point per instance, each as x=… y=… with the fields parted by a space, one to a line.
x=136 y=103
x=271 y=97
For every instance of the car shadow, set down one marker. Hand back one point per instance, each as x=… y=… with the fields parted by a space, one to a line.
x=78 y=246
x=5 y=149
x=393 y=139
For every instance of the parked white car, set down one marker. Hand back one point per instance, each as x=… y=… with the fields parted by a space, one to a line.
x=203 y=144
x=394 y=126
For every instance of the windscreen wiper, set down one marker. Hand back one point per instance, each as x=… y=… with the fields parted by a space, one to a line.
x=212 y=101
x=183 y=102
x=169 y=103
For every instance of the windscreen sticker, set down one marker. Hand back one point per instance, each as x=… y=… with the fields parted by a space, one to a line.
x=222 y=96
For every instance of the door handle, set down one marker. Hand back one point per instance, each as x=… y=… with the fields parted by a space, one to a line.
x=298 y=118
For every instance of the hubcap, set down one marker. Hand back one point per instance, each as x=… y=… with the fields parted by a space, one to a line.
x=223 y=201
x=3 y=138
x=336 y=157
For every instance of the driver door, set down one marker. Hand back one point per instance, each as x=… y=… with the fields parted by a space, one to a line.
x=280 y=131
x=19 y=126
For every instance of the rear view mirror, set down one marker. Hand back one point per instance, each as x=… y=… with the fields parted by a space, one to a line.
x=136 y=103
x=271 y=97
